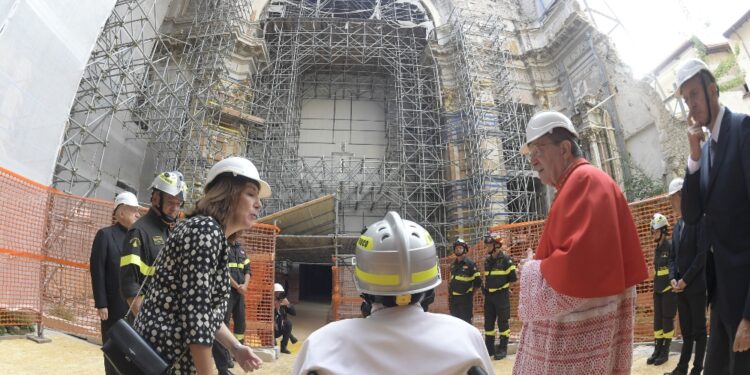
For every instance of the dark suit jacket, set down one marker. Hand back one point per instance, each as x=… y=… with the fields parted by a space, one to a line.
x=718 y=198
x=105 y=270
x=687 y=259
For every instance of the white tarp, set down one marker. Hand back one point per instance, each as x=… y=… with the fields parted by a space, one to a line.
x=44 y=47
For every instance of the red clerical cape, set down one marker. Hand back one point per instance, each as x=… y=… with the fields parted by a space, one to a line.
x=589 y=247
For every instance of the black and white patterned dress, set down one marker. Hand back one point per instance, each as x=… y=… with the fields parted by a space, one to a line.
x=188 y=296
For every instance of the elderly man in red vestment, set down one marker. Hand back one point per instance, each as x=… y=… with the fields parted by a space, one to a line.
x=577 y=300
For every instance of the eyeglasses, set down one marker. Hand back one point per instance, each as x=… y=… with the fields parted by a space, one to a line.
x=536 y=147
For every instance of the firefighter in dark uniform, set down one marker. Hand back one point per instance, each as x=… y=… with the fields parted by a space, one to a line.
x=665 y=301
x=239 y=272
x=465 y=278
x=687 y=274
x=499 y=272
x=148 y=235
x=105 y=266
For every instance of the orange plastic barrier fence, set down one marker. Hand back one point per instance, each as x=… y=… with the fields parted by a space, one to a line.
x=520 y=237
x=45 y=245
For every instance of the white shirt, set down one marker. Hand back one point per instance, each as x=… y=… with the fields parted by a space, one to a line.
x=393 y=341
x=693 y=165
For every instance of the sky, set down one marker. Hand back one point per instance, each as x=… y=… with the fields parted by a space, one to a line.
x=652 y=29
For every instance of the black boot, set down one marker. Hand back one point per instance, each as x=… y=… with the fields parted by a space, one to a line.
x=676 y=371
x=489 y=342
x=502 y=350
x=657 y=349
x=292 y=338
x=664 y=353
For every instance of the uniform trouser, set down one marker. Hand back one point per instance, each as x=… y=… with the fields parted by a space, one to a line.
x=285 y=333
x=665 y=308
x=462 y=306
x=720 y=358
x=692 y=309
x=106 y=325
x=236 y=311
x=496 y=308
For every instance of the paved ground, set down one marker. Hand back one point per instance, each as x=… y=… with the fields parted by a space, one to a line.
x=70 y=355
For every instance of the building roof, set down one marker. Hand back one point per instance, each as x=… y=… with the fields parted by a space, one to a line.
x=745 y=17
x=710 y=49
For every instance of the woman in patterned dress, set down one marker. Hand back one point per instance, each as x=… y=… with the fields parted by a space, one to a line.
x=184 y=310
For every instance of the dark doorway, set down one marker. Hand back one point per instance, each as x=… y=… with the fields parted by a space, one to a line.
x=315 y=282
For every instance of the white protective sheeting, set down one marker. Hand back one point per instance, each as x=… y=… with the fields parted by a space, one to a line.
x=44 y=47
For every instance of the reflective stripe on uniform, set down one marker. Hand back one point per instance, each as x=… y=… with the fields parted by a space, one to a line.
x=239 y=336
x=496 y=289
x=667 y=289
x=490 y=333
x=500 y=272
x=136 y=261
x=463 y=294
x=236 y=265
x=505 y=333
x=668 y=335
x=664 y=271
x=659 y=334
x=247 y=261
x=464 y=278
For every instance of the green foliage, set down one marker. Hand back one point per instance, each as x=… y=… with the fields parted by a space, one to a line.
x=724 y=67
x=732 y=83
x=699 y=47
x=640 y=186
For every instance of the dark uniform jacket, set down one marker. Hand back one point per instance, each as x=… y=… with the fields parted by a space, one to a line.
x=464 y=277
x=718 y=198
x=142 y=245
x=661 y=267
x=281 y=314
x=498 y=273
x=105 y=270
x=239 y=265
x=687 y=260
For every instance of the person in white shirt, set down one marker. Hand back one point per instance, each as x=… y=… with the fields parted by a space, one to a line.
x=396 y=267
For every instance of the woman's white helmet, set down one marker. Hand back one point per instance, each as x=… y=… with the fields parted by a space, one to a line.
x=542 y=123
x=127 y=198
x=659 y=221
x=675 y=185
x=171 y=183
x=396 y=257
x=239 y=166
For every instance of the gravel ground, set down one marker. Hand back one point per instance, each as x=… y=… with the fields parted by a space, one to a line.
x=70 y=355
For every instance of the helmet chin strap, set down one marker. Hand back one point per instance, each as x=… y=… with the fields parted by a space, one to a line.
x=169 y=220
x=705 y=95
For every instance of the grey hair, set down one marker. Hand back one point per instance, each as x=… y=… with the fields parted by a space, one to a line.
x=558 y=135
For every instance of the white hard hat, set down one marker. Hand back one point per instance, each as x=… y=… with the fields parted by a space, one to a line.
x=675 y=185
x=171 y=183
x=239 y=167
x=688 y=69
x=659 y=221
x=395 y=257
x=127 y=198
x=542 y=123
x=277 y=288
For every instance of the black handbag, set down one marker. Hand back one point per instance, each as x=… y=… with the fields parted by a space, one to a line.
x=130 y=354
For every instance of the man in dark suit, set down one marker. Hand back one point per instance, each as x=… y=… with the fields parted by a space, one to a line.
x=716 y=195
x=687 y=275
x=105 y=265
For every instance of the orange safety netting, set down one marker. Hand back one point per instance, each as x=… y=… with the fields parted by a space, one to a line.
x=520 y=237
x=45 y=244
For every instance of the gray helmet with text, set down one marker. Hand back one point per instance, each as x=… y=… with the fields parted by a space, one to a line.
x=395 y=257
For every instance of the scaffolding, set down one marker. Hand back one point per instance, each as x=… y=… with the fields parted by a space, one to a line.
x=351 y=49
x=489 y=182
x=451 y=130
x=169 y=89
